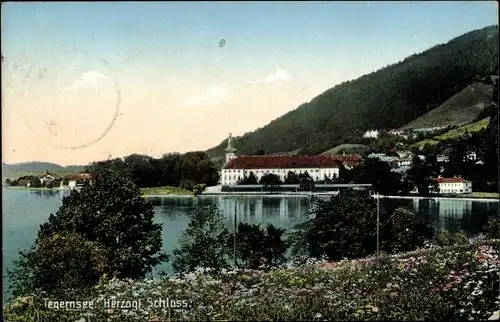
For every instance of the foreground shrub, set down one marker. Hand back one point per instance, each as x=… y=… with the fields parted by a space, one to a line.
x=109 y=212
x=257 y=247
x=443 y=237
x=452 y=283
x=63 y=262
x=405 y=231
x=204 y=243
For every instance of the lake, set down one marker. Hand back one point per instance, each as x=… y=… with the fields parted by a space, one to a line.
x=24 y=211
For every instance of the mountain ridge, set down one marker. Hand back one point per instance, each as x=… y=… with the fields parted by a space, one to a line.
x=388 y=98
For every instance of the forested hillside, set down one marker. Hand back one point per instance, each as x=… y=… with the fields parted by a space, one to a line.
x=388 y=98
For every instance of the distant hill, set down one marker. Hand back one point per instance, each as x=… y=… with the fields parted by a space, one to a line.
x=347 y=149
x=455 y=133
x=386 y=99
x=37 y=168
x=463 y=107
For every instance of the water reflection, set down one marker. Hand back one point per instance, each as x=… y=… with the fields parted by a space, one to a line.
x=24 y=211
x=286 y=212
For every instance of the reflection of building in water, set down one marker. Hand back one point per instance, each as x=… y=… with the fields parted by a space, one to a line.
x=452 y=211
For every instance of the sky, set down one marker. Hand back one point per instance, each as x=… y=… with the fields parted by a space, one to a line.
x=89 y=81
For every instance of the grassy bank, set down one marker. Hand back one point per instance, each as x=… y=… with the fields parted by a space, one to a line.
x=35 y=188
x=166 y=190
x=480 y=195
x=452 y=283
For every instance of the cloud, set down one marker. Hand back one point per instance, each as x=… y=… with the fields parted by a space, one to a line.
x=87 y=78
x=214 y=95
x=279 y=76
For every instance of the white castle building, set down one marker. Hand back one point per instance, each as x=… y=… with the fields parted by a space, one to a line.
x=319 y=167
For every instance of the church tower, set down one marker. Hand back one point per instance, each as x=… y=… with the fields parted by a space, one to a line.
x=230 y=151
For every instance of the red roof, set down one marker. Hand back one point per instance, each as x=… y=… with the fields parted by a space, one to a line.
x=450 y=180
x=283 y=162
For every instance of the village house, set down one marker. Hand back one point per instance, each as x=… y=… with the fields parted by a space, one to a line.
x=47 y=177
x=24 y=183
x=454 y=185
x=319 y=167
x=73 y=181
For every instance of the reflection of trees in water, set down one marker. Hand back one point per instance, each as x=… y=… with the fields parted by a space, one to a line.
x=475 y=221
x=286 y=212
x=46 y=193
x=271 y=202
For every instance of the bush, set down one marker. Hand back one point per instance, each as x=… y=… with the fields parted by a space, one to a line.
x=111 y=212
x=443 y=237
x=404 y=231
x=493 y=228
x=256 y=247
x=204 y=243
x=198 y=189
x=62 y=262
x=453 y=284
x=343 y=227
x=460 y=237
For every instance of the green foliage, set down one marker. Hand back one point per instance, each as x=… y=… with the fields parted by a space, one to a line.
x=256 y=247
x=186 y=170
x=404 y=231
x=292 y=178
x=460 y=237
x=59 y=263
x=270 y=181
x=403 y=91
x=344 y=226
x=443 y=237
x=450 y=284
x=250 y=180
x=198 y=189
x=493 y=228
x=204 y=243
x=379 y=174
x=422 y=173
x=110 y=212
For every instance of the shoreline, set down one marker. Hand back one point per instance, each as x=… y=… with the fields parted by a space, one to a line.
x=271 y=194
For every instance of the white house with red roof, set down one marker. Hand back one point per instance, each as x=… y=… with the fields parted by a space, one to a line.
x=73 y=181
x=454 y=185
x=319 y=167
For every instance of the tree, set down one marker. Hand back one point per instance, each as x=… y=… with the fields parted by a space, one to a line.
x=110 y=212
x=379 y=175
x=204 y=243
x=259 y=152
x=404 y=231
x=292 y=178
x=344 y=226
x=270 y=180
x=250 y=180
x=257 y=247
x=84 y=262
x=197 y=168
x=421 y=175
x=36 y=182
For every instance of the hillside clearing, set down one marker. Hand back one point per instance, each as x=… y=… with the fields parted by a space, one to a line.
x=455 y=133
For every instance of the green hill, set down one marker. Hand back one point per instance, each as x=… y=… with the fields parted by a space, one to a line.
x=463 y=107
x=388 y=98
x=347 y=149
x=455 y=133
x=37 y=168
